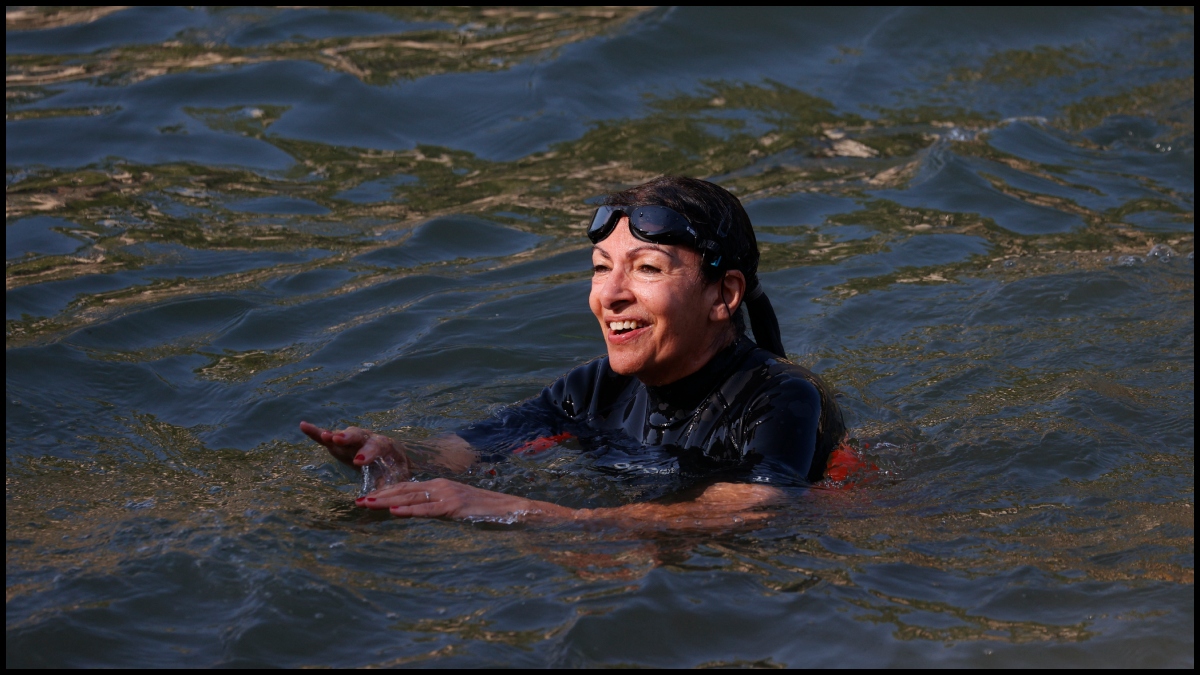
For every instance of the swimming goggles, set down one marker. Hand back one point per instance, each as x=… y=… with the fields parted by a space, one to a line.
x=655 y=224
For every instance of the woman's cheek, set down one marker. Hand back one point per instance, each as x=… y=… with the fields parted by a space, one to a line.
x=594 y=299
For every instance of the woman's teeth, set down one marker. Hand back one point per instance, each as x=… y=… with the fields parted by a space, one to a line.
x=622 y=325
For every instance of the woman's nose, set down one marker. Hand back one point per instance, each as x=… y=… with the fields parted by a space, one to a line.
x=615 y=292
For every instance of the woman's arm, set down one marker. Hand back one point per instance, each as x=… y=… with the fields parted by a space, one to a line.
x=720 y=505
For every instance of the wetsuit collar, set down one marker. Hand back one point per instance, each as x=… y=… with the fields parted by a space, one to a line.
x=685 y=394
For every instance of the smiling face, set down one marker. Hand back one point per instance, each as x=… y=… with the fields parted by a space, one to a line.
x=661 y=322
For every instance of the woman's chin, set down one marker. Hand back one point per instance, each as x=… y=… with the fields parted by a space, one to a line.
x=625 y=361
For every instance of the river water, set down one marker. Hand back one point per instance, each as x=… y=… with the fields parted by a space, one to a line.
x=978 y=225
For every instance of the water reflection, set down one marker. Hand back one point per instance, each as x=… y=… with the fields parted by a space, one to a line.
x=978 y=224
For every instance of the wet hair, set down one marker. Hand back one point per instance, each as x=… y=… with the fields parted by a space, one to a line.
x=712 y=210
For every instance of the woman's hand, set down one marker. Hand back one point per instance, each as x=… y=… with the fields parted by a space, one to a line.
x=359 y=447
x=441 y=498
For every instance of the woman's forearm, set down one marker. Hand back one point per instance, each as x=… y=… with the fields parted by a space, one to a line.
x=721 y=505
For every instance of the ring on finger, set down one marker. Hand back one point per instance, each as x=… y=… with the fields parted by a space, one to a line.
x=427 y=497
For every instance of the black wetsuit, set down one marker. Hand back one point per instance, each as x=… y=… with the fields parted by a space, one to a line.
x=746 y=415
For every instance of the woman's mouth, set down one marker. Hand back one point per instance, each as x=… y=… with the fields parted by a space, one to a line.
x=625 y=329
x=624 y=326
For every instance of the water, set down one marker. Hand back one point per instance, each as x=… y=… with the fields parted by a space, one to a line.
x=977 y=224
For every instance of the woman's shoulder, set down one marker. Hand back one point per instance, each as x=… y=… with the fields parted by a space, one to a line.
x=790 y=402
x=764 y=376
x=771 y=369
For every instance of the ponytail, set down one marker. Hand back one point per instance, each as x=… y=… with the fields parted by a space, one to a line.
x=763 y=321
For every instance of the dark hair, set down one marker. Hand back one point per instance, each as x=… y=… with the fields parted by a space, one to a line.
x=715 y=212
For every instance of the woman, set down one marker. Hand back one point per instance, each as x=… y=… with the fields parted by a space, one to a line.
x=682 y=392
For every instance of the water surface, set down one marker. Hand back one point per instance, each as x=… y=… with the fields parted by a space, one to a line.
x=977 y=224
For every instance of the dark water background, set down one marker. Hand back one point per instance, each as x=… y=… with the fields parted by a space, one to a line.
x=977 y=224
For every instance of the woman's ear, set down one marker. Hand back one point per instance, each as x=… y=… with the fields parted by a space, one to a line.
x=732 y=292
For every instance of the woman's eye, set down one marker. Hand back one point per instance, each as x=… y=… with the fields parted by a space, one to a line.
x=649 y=269
x=599 y=269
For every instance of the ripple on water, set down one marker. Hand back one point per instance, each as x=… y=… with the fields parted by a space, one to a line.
x=975 y=223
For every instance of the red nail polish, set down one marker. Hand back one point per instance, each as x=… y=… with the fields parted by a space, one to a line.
x=370 y=499
x=359 y=457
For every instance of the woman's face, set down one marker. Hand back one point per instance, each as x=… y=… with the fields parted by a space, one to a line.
x=660 y=321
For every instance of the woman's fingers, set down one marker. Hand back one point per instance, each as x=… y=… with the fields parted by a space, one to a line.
x=438 y=497
x=399 y=488
x=441 y=498
x=351 y=436
x=325 y=438
x=411 y=494
x=402 y=499
x=429 y=490
x=313 y=431
x=345 y=445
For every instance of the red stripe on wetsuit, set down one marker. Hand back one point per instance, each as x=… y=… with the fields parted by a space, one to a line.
x=539 y=445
